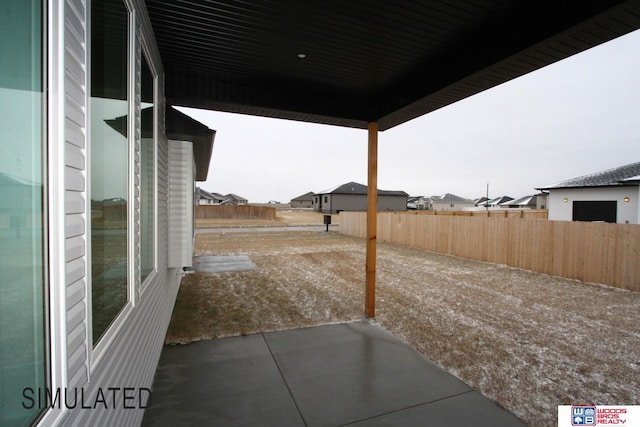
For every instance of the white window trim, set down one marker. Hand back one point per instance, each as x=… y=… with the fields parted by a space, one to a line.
x=154 y=73
x=53 y=51
x=133 y=207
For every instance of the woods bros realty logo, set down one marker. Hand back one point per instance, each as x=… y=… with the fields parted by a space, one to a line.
x=592 y=415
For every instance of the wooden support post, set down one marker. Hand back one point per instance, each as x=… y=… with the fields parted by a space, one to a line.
x=372 y=221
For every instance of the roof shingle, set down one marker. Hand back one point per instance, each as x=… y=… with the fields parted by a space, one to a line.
x=611 y=177
x=360 y=189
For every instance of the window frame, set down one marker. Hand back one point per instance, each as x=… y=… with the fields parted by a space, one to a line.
x=98 y=349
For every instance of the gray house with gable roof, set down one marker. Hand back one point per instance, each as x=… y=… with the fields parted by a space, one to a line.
x=353 y=197
x=612 y=195
x=303 y=201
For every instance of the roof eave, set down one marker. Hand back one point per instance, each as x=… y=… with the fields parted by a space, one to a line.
x=577 y=187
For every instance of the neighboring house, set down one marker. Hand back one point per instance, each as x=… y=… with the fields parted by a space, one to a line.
x=411 y=203
x=449 y=202
x=482 y=201
x=353 y=197
x=526 y=202
x=542 y=200
x=220 y=197
x=303 y=201
x=422 y=203
x=496 y=202
x=234 y=199
x=205 y=198
x=612 y=195
x=418 y=203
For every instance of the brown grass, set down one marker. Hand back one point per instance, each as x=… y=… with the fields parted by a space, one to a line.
x=271 y=298
x=284 y=217
x=528 y=341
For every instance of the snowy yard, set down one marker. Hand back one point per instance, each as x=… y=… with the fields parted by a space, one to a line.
x=528 y=341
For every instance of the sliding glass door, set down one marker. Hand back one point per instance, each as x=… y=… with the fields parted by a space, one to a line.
x=23 y=357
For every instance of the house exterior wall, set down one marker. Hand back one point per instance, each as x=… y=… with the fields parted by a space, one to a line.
x=302 y=203
x=181 y=173
x=392 y=203
x=446 y=206
x=358 y=202
x=345 y=202
x=542 y=201
x=128 y=353
x=627 y=212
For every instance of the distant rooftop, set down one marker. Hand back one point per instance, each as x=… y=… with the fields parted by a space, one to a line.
x=451 y=198
x=622 y=175
x=522 y=201
x=360 y=189
x=304 y=197
x=236 y=197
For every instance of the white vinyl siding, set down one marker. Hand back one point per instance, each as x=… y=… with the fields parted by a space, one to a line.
x=181 y=193
x=627 y=212
x=130 y=357
x=75 y=108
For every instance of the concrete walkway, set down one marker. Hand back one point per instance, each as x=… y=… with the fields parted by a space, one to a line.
x=354 y=374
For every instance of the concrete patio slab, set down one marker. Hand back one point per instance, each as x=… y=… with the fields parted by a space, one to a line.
x=223 y=382
x=222 y=263
x=334 y=375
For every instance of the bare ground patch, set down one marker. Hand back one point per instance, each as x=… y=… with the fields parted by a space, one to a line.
x=528 y=341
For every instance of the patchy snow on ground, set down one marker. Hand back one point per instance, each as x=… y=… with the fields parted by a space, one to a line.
x=528 y=341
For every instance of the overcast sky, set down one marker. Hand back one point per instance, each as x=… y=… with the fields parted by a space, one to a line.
x=578 y=116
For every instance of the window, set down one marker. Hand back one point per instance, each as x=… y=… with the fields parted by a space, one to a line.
x=325 y=199
x=23 y=354
x=109 y=157
x=148 y=173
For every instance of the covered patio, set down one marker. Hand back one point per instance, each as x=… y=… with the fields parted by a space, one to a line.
x=365 y=64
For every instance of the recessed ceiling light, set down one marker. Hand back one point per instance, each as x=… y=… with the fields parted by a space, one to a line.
x=302 y=55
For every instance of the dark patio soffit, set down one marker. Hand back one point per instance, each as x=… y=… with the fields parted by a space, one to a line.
x=366 y=60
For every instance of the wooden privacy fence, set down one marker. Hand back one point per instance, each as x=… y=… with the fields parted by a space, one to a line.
x=236 y=212
x=588 y=251
x=495 y=213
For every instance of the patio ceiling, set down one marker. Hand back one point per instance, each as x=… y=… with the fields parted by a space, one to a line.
x=366 y=60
